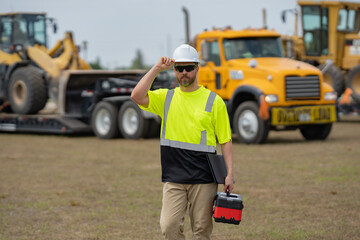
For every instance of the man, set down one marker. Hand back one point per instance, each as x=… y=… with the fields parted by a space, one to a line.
x=192 y=118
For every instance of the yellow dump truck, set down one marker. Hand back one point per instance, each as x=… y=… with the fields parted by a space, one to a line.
x=86 y=99
x=263 y=89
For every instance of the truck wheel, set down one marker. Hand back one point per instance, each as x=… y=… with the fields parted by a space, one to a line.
x=316 y=132
x=104 y=120
x=353 y=82
x=132 y=124
x=27 y=90
x=248 y=126
x=334 y=78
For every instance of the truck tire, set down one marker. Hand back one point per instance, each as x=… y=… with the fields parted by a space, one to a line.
x=27 y=90
x=353 y=82
x=132 y=124
x=316 y=132
x=153 y=129
x=334 y=77
x=104 y=120
x=248 y=126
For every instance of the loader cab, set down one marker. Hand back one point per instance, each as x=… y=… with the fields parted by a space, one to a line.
x=22 y=29
x=326 y=29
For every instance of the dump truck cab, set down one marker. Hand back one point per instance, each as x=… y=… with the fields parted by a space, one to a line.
x=263 y=89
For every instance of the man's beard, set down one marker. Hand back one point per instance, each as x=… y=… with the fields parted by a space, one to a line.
x=185 y=81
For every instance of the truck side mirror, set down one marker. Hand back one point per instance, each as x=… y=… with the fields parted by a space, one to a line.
x=55 y=28
x=283 y=16
x=204 y=53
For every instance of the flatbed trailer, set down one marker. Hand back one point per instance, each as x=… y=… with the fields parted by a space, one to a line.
x=42 y=123
x=96 y=102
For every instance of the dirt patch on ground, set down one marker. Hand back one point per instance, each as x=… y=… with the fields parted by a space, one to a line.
x=60 y=187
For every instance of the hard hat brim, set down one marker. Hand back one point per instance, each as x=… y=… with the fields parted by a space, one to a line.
x=187 y=60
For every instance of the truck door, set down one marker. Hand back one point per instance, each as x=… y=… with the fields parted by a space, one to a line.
x=211 y=72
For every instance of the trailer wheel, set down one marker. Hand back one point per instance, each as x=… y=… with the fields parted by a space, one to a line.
x=334 y=78
x=316 y=131
x=353 y=82
x=27 y=90
x=104 y=120
x=132 y=124
x=248 y=126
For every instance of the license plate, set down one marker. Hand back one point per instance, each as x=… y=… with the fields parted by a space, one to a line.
x=303 y=115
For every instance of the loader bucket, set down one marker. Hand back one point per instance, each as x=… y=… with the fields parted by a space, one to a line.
x=69 y=89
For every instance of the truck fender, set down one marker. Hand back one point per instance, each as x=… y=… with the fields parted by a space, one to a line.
x=243 y=93
x=248 y=92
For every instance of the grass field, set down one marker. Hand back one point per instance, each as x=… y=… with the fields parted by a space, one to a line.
x=60 y=187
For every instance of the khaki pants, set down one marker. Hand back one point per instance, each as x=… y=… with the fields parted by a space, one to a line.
x=198 y=198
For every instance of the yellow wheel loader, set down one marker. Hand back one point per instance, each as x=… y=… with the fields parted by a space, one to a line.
x=86 y=99
x=330 y=40
x=29 y=71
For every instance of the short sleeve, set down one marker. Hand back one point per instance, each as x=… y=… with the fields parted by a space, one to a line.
x=221 y=121
x=156 y=102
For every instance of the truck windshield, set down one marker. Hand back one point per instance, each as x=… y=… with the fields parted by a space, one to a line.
x=254 y=47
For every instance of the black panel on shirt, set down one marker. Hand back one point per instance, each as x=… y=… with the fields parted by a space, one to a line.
x=185 y=166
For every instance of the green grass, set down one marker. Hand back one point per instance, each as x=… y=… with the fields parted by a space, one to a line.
x=58 y=187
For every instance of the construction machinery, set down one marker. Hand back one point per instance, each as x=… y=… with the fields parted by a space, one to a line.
x=330 y=40
x=31 y=75
x=263 y=89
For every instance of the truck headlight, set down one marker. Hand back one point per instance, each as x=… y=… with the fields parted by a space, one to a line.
x=236 y=74
x=272 y=98
x=330 y=96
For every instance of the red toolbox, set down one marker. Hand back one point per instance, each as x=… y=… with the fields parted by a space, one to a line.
x=228 y=208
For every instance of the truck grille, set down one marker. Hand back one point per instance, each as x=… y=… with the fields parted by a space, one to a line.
x=302 y=88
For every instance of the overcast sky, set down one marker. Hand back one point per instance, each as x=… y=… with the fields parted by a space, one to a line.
x=115 y=29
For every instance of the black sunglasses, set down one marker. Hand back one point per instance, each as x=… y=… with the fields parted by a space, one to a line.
x=188 y=68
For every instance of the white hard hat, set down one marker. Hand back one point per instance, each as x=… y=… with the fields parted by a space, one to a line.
x=185 y=53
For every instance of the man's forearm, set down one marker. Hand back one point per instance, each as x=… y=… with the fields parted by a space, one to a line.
x=226 y=149
x=227 y=152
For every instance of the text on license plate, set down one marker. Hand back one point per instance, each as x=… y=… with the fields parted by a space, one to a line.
x=303 y=115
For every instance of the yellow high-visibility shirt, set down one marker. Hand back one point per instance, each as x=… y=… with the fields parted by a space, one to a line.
x=187 y=117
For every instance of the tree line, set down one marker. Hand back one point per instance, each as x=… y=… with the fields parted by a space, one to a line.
x=137 y=63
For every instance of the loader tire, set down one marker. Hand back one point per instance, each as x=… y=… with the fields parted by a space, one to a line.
x=27 y=91
x=132 y=123
x=334 y=77
x=104 y=120
x=248 y=126
x=316 y=131
x=353 y=82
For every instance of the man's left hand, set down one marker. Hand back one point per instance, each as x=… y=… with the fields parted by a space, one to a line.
x=229 y=183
